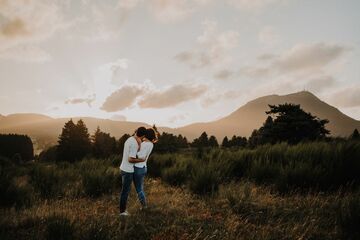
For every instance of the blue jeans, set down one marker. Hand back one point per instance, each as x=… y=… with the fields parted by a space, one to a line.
x=126 y=178
x=139 y=175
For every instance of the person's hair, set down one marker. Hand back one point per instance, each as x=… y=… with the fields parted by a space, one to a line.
x=141 y=131
x=150 y=134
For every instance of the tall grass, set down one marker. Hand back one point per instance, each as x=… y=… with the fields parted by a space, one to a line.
x=306 y=166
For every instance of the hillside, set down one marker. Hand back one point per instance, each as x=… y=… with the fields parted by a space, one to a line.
x=241 y=122
x=252 y=115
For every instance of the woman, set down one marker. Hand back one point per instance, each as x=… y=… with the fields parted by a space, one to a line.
x=140 y=168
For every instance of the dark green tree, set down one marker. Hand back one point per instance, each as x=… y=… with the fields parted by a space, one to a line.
x=103 y=144
x=17 y=147
x=355 y=135
x=225 y=142
x=213 y=141
x=74 y=142
x=202 y=141
x=121 y=142
x=291 y=124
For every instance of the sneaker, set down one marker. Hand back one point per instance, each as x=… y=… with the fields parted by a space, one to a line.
x=126 y=213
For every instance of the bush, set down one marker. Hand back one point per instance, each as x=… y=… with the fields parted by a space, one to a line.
x=348 y=217
x=204 y=181
x=13 y=195
x=158 y=162
x=176 y=175
x=97 y=182
x=59 y=228
x=49 y=155
x=47 y=181
x=96 y=231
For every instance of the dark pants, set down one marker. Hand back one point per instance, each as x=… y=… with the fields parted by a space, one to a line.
x=139 y=175
x=127 y=179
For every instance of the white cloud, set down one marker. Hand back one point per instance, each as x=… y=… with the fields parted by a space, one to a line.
x=253 y=4
x=268 y=36
x=170 y=10
x=25 y=53
x=172 y=96
x=213 y=47
x=309 y=57
x=122 y=98
x=26 y=22
x=347 y=97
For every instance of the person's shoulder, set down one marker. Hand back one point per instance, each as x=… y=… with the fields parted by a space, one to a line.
x=147 y=144
x=131 y=140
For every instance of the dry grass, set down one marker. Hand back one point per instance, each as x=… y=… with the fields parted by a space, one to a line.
x=238 y=211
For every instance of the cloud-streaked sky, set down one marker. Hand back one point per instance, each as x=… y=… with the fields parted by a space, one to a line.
x=174 y=62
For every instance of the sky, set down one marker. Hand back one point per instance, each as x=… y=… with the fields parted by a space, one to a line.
x=174 y=62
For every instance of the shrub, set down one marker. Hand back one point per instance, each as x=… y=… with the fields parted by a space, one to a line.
x=96 y=231
x=48 y=155
x=47 y=180
x=11 y=193
x=204 y=181
x=59 y=228
x=176 y=175
x=97 y=182
x=158 y=162
x=348 y=217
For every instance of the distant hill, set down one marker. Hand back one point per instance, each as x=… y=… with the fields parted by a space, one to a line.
x=252 y=115
x=45 y=130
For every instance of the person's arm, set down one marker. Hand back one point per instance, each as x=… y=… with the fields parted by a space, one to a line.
x=133 y=152
x=141 y=155
x=135 y=160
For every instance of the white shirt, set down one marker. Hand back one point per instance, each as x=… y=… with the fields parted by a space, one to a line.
x=130 y=149
x=144 y=153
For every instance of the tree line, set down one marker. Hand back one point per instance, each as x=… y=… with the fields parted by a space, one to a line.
x=285 y=123
x=17 y=147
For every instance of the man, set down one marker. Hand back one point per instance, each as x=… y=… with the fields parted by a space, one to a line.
x=131 y=148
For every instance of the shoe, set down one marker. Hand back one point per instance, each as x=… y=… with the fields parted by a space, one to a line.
x=125 y=214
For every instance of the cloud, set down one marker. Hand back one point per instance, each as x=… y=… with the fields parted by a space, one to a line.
x=213 y=47
x=89 y=100
x=253 y=4
x=118 y=117
x=347 y=97
x=26 y=53
x=25 y=23
x=215 y=97
x=177 y=118
x=13 y=28
x=122 y=98
x=170 y=10
x=320 y=83
x=224 y=74
x=266 y=57
x=255 y=72
x=305 y=57
x=268 y=36
x=172 y=96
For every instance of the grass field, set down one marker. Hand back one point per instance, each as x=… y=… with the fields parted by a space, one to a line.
x=191 y=195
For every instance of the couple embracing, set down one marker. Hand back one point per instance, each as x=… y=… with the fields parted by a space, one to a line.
x=137 y=150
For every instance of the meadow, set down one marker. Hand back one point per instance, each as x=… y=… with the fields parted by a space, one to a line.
x=281 y=191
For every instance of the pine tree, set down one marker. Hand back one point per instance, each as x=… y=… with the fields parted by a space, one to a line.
x=74 y=142
x=103 y=144
x=213 y=141
x=225 y=142
x=355 y=135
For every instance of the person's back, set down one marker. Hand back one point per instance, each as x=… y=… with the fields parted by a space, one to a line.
x=144 y=153
x=130 y=150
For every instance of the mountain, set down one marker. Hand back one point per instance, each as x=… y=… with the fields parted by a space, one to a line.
x=252 y=115
x=45 y=130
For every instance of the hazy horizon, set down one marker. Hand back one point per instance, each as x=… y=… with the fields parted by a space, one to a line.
x=174 y=62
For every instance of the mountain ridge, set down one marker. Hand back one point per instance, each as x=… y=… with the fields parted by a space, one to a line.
x=241 y=122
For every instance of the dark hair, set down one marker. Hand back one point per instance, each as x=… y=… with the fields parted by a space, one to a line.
x=150 y=134
x=141 y=131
